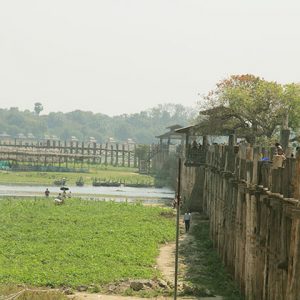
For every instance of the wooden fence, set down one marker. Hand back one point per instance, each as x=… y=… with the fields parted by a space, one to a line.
x=254 y=212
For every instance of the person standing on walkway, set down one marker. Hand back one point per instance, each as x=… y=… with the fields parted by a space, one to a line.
x=279 y=149
x=187 y=221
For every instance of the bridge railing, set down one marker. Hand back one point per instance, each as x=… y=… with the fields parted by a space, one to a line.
x=195 y=156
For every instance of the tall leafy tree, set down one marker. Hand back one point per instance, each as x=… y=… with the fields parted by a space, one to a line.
x=38 y=108
x=252 y=106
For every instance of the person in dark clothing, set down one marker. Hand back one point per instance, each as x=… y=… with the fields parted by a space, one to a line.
x=47 y=192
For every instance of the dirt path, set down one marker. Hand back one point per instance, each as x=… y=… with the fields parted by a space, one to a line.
x=86 y=296
x=166 y=258
x=165 y=263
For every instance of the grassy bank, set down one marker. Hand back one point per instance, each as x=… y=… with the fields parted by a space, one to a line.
x=80 y=243
x=127 y=175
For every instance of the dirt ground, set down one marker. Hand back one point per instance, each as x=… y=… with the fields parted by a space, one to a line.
x=82 y=296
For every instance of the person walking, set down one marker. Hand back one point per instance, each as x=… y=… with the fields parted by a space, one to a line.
x=187 y=221
x=47 y=192
x=64 y=194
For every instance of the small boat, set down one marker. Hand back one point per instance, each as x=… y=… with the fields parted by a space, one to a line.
x=80 y=182
x=60 y=181
x=98 y=182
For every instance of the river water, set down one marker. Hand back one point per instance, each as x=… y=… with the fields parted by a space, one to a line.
x=94 y=192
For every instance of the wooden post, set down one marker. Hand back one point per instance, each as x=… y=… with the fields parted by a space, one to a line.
x=293 y=288
x=123 y=155
x=82 y=154
x=135 y=157
x=59 y=152
x=232 y=140
x=178 y=198
x=112 y=155
x=94 y=152
x=65 y=152
x=89 y=153
x=205 y=141
x=100 y=154
x=187 y=137
x=284 y=138
x=128 y=155
x=117 y=155
x=77 y=147
x=285 y=132
x=105 y=158
x=71 y=147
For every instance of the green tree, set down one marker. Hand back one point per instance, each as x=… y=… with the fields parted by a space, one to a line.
x=38 y=107
x=142 y=151
x=252 y=106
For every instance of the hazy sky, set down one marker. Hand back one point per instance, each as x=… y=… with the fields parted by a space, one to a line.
x=124 y=56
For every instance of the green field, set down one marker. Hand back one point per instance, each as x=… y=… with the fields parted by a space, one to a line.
x=127 y=175
x=79 y=243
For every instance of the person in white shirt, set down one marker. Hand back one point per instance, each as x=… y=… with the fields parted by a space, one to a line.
x=59 y=199
x=187 y=221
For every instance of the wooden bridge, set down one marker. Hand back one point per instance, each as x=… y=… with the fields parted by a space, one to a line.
x=67 y=154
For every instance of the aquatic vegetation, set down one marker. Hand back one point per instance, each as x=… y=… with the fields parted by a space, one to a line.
x=81 y=242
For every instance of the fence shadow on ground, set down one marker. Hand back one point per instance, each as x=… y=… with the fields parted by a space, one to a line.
x=204 y=272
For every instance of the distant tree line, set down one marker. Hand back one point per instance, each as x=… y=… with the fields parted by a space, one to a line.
x=141 y=127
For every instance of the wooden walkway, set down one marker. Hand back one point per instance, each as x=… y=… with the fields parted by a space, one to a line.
x=58 y=153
